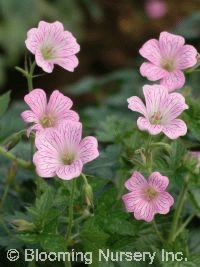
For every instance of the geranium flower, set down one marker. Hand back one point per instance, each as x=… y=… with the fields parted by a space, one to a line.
x=161 y=111
x=168 y=57
x=44 y=115
x=147 y=198
x=51 y=44
x=61 y=151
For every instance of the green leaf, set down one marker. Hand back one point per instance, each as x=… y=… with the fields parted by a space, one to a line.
x=4 y=101
x=194 y=195
x=109 y=159
x=13 y=117
x=93 y=238
x=53 y=242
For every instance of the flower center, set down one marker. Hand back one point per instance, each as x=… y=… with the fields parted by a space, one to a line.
x=150 y=193
x=47 y=121
x=168 y=64
x=156 y=118
x=47 y=52
x=68 y=158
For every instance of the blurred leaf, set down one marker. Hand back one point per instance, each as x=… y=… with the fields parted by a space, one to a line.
x=13 y=117
x=189 y=26
x=4 y=101
x=109 y=159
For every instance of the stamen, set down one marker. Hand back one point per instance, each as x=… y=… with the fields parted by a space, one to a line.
x=68 y=158
x=156 y=118
x=47 y=52
x=47 y=121
x=168 y=64
x=150 y=193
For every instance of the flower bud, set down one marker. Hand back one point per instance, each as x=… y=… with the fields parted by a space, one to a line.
x=11 y=173
x=12 y=141
x=88 y=194
x=23 y=226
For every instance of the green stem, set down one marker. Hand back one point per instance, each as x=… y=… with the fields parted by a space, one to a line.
x=29 y=76
x=71 y=211
x=22 y=163
x=183 y=226
x=84 y=178
x=5 y=193
x=177 y=213
x=157 y=231
x=70 y=216
x=149 y=156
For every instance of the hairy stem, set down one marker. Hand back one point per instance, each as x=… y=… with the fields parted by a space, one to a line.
x=22 y=163
x=177 y=213
x=71 y=211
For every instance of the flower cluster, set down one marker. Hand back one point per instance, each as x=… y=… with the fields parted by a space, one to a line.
x=168 y=57
x=58 y=131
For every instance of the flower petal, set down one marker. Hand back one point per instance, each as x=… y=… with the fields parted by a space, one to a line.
x=152 y=72
x=173 y=107
x=88 y=149
x=176 y=129
x=67 y=46
x=29 y=116
x=155 y=98
x=69 y=63
x=155 y=129
x=37 y=101
x=50 y=139
x=163 y=203
x=135 y=181
x=186 y=57
x=170 y=44
x=174 y=80
x=151 y=51
x=68 y=172
x=131 y=201
x=136 y=104
x=46 y=162
x=158 y=181
x=59 y=106
x=70 y=132
x=36 y=127
x=145 y=212
x=144 y=125
x=32 y=40
x=47 y=66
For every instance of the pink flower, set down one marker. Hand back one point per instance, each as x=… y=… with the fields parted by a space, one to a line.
x=155 y=8
x=61 y=151
x=44 y=115
x=147 y=198
x=168 y=58
x=161 y=111
x=51 y=44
